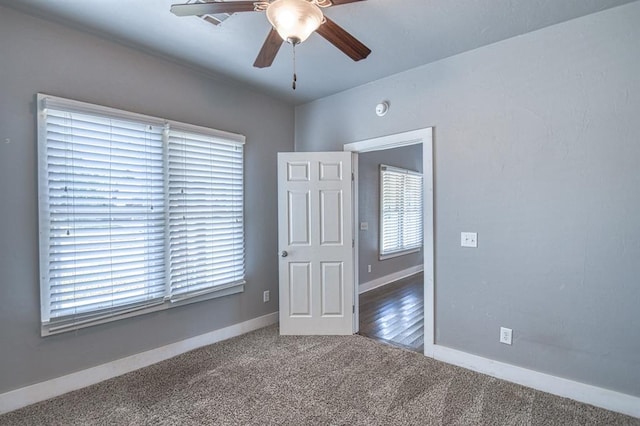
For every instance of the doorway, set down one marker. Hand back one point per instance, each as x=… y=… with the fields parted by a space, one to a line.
x=400 y=312
x=390 y=245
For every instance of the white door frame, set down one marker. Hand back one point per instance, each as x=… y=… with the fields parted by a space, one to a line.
x=425 y=137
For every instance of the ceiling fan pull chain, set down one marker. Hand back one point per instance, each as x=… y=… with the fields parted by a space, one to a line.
x=295 y=77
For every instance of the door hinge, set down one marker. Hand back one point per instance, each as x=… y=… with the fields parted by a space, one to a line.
x=353 y=176
x=353 y=309
x=353 y=243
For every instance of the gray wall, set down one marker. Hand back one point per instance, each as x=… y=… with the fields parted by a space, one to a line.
x=537 y=150
x=408 y=157
x=37 y=56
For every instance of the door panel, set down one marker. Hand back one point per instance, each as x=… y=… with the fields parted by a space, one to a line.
x=299 y=202
x=315 y=230
x=331 y=212
x=300 y=289
x=298 y=171
x=332 y=285
x=330 y=171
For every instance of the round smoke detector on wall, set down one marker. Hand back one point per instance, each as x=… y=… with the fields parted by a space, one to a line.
x=382 y=108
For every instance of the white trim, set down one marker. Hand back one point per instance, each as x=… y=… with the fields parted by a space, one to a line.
x=397 y=140
x=398 y=253
x=27 y=395
x=236 y=138
x=600 y=397
x=428 y=238
x=48 y=329
x=356 y=251
x=43 y=211
x=48 y=101
x=388 y=279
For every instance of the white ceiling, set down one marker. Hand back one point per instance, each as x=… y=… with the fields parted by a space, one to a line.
x=402 y=34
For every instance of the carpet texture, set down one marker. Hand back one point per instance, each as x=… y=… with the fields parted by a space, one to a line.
x=262 y=378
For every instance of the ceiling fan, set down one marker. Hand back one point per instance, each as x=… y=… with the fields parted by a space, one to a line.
x=292 y=20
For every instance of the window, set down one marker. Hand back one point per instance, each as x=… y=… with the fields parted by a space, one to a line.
x=136 y=213
x=400 y=211
x=206 y=239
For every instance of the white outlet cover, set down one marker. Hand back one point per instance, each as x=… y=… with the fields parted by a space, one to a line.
x=364 y=226
x=505 y=335
x=469 y=239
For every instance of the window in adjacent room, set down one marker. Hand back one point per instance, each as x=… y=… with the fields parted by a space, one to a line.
x=400 y=211
x=136 y=213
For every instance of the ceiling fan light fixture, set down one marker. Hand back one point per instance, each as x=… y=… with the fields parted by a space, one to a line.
x=294 y=20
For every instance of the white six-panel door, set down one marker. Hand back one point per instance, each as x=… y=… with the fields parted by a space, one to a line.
x=315 y=236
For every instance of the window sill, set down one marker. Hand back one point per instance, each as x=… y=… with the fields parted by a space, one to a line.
x=399 y=253
x=48 y=329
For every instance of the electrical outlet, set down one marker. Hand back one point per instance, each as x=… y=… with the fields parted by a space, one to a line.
x=368 y=268
x=265 y=296
x=469 y=239
x=505 y=335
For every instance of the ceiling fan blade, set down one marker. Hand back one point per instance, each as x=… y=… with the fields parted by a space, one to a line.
x=269 y=50
x=339 y=2
x=344 y=41
x=196 y=9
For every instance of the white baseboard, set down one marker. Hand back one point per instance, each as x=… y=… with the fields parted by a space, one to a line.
x=600 y=397
x=379 y=282
x=27 y=395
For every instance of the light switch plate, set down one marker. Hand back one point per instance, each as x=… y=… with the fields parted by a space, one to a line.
x=469 y=239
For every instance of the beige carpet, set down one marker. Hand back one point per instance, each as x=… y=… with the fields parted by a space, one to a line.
x=264 y=379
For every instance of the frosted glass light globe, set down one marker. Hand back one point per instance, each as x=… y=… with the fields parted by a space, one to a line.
x=294 y=20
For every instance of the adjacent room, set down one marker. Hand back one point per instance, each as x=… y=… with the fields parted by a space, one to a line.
x=390 y=255
x=319 y=212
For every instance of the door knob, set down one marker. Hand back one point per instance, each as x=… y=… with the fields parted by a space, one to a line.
x=284 y=253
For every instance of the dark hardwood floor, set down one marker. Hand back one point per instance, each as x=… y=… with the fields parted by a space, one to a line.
x=394 y=313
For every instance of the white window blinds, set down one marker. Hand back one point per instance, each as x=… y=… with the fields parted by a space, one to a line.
x=400 y=211
x=133 y=213
x=206 y=244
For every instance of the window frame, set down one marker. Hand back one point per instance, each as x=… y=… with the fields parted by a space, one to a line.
x=383 y=255
x=49 y=327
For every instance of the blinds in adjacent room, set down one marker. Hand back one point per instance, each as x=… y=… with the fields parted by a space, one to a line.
x=400 y=211
x=134 y=212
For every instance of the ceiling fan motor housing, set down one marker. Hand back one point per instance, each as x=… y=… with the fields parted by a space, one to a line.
x=294 y=20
